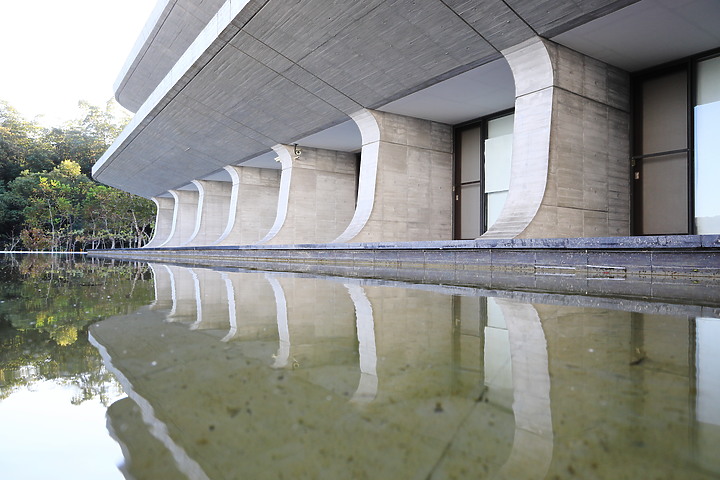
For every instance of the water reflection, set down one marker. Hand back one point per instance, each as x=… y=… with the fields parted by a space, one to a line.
x=54 y=387
x=271 y=375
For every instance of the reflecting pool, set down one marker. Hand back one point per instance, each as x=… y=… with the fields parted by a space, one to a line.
x=215 y=374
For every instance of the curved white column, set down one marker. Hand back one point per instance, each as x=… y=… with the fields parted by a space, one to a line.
x=283 y=156
x=213 y=210
x=253 y=204
x=317 y=195
x=570 y=168
x=405 y=184
x=163 y=221
x=184 y=217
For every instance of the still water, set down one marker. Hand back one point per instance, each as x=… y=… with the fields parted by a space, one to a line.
x=153 y=371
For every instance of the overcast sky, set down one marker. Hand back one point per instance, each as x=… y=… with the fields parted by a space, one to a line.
x=54 y=53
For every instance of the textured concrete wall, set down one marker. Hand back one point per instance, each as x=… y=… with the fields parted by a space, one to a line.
x=570 y=166
x=405 y=180
x=184 y=217
x=163 y=220
x=212 y=212
x=317 y=196
x=253 y=204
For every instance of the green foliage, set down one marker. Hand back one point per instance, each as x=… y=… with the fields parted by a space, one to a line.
x=48 y=200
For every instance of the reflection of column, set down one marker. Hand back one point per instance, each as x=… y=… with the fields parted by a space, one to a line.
x=404 y=192
x=283 y=353
x=413 y=340
x=184 y=304
x=184 y=216
x=157 y=428
x=212 y=300
x=250 y=306
x=212 y=211
x=163 y=282
x=533 y=445
x=367 y=388
x=321 y=325
x=317 y=195
x=232 y=309
x=163 y=220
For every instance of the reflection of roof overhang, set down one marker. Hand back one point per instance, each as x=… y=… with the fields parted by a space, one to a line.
x=264 y=72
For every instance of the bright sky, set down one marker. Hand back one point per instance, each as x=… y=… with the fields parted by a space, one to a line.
x=54 y=53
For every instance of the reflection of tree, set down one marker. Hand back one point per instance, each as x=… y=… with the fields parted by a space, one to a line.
x=48 y=301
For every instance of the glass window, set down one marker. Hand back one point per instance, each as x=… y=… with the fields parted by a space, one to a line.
x=707 y=147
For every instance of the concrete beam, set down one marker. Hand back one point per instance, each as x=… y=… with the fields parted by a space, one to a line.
x=570 y=172
x=405 y=184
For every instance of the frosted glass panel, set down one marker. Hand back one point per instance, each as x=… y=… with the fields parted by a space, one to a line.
x=663 y=193
x=470 y=155
x=708 y=81
x=498 y=154
x=501 y=126
x=707 y=168
x=495 y=202
x=664 y=113
x=470 y=213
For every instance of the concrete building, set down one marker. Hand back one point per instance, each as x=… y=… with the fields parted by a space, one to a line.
x=268 y=122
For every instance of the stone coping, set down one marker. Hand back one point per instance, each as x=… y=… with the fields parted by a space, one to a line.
x=589 y=243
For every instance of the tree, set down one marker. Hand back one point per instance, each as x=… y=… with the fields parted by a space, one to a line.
x=47 y=199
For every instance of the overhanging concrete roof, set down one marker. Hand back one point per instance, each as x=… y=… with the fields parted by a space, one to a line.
x=264 y=72
x=171 y=28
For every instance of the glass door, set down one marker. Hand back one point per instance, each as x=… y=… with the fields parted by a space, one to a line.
x=661 y=160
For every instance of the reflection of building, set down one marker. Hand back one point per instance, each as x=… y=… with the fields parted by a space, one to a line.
x=433 y=120
x=321 y=377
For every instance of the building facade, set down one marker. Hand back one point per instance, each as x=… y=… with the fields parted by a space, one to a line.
x=268 y=122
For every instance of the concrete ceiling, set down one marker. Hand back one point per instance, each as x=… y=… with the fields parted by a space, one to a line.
x=291 y=73
x=648 y=33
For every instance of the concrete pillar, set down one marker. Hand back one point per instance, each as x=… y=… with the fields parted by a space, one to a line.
x=184 y=217
x=570 y=173
x=405 y=190
x=317 y=195
x=163 y=220
x=212 y=211
x=253 y=204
